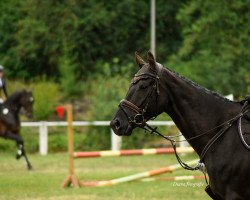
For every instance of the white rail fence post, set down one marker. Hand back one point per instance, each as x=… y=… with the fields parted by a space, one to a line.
x=116 y=141
x=184 y=143
x=43 y=138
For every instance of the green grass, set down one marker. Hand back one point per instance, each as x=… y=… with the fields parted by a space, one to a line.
x=43 y=183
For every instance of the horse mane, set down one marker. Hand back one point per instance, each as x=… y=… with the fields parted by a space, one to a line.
x=196 y=85
x=13 y=97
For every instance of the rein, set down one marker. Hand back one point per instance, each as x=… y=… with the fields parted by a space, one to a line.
x=139 y=120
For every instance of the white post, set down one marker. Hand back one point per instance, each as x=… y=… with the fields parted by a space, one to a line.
x=152 y=27
x=183 y=144
x=43 y=139
x=116 y=141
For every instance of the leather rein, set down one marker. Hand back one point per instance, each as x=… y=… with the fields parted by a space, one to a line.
x=139 y=120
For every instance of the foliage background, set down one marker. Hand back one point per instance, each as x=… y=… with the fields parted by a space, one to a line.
x=82 y=52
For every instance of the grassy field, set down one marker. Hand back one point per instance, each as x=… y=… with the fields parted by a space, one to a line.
x=43 y=183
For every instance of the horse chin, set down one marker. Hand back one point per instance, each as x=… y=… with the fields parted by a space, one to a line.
x=126 y=131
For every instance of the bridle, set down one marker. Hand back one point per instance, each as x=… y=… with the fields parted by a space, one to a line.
x=139 y=119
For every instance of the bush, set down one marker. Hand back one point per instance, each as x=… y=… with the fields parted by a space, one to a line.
x=46 y=96
x=104 y=97
x=13 y=86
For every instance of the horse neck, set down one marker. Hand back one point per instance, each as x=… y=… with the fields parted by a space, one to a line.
x=14 y=102
x=195 y=110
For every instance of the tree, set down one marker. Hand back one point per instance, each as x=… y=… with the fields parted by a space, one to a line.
x=215 y=50
x=94 y=32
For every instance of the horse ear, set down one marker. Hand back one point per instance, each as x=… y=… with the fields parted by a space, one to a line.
x=151 y=60
x=24 y=91
x=140 y=62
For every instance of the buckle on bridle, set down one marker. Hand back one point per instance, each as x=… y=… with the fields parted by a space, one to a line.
x=138 y=119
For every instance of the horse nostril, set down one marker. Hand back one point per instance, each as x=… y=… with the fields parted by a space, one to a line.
x=117 y=124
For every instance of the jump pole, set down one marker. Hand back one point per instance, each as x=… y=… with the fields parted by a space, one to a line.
x=135 y=177
x=132 y=152
x=71 y=179
x=175 y=178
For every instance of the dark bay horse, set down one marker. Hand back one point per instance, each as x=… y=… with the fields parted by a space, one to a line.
x=195 y=110
x=10 y=122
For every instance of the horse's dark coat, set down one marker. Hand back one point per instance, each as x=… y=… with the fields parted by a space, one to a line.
x=195 y=110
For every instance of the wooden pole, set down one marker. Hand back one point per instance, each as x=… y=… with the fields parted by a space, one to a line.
x=152 y=27
x=132 y=152
x=135 y=177
x=175 y=178
x=71 y=178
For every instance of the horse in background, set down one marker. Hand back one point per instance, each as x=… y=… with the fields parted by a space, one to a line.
x=10 y=122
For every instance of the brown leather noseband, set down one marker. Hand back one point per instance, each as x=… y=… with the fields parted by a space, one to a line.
x=139 y=119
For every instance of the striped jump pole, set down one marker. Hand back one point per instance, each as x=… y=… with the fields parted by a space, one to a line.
x=175 y=178
x=135 y=177
x=132 y=152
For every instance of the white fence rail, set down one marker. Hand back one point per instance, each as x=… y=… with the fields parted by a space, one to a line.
x=44 y=130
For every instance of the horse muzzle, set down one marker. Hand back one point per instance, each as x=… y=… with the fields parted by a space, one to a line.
x=121 y=129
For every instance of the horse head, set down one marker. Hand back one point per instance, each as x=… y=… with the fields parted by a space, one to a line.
x=27 y=101
x=21 y=99
x=143 y=100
